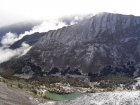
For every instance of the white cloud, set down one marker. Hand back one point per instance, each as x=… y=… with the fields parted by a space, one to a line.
x=43 y=27
x=53 y=9
x=6 y=53
x=9 y=38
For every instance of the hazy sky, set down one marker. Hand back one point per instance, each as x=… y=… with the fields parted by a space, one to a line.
x=12 y=11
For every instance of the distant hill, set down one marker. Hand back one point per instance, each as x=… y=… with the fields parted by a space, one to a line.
x=18 y=28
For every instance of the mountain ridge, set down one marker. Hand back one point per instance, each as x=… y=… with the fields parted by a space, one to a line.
x=102 y=45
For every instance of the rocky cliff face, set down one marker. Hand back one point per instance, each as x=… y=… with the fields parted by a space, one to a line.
x=104 y=44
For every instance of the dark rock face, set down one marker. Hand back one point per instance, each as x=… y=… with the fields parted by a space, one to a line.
x=29 y=39
x=53 y=71
x=102 y=45
x=22 y=65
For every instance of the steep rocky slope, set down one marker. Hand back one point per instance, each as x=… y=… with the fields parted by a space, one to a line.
x=104 y=44
x=29 y=39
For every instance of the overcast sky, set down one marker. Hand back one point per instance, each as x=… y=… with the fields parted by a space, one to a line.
x=12 y=11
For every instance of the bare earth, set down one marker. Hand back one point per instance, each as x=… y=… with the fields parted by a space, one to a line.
x=10 y=96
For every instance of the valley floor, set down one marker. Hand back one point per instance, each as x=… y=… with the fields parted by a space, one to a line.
x=11 y=96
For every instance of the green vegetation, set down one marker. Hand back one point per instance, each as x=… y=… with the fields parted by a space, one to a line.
x=34 y=91
x=76 y=83
x=6 y=73
x=112 y=82
x=20 y=86
x=51 y=80
x=34 y=85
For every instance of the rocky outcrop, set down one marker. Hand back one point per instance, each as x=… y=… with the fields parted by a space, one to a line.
x=104 y=44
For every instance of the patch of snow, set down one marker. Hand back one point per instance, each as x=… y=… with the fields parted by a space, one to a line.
x=106 y=98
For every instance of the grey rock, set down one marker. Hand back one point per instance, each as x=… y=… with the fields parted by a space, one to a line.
x=103 y=44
